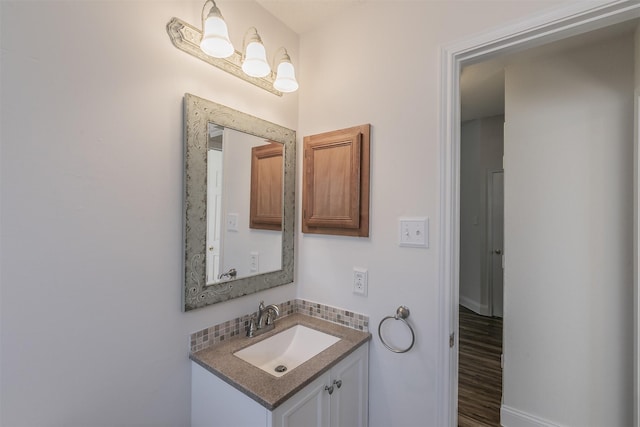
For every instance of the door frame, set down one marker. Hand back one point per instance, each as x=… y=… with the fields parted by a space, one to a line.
x=556 y=24
x=215 y=266
x=489 y=247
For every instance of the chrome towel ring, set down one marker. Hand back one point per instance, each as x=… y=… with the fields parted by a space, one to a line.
x=401 y=314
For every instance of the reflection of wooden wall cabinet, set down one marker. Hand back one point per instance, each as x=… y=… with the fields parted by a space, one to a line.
x=266 y=187
x=335 y=189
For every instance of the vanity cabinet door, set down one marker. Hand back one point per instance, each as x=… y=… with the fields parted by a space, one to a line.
x=308 y=408
x=350 y=401
x=346 y=406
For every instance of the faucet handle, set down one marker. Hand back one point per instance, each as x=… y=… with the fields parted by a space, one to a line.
x=270 y=316
x=251 y=328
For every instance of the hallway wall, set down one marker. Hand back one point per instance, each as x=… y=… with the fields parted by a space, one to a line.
x=481 y=151
x=568 y=241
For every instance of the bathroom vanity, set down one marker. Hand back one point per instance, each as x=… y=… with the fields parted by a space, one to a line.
x=328 y=389
x=307 y=371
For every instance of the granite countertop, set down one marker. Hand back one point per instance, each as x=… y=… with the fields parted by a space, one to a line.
x=267 y=389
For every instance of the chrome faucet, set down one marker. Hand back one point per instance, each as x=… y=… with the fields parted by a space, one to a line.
x=264 y=321
x=271 y=311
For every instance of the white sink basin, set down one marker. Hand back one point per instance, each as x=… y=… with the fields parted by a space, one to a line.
x=289 y=348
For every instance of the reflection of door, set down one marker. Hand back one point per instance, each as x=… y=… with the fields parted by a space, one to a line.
x=214 y=214
x=496 y=241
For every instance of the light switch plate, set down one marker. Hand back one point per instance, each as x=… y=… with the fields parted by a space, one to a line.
x=414 y=232
x=232 y=222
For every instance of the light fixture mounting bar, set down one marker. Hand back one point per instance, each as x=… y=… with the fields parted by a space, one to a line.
x=187 y=38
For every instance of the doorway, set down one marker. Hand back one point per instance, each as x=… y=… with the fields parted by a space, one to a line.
x=480 y=276
x=564 y=23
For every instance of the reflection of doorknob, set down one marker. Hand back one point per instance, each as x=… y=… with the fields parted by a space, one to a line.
x=498 y=251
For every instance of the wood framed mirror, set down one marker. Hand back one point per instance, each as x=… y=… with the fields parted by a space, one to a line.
x=214 y=272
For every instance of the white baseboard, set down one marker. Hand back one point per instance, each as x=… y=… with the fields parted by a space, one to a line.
x=510 y=417
x=474 y=305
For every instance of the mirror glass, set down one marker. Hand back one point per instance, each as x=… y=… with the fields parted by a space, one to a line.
x=235 y=246
x=230 y=250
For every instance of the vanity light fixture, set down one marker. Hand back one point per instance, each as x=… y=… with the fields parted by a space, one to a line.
x=285 y=73
x=215 y=35
x=254 y=62
x=212 y=44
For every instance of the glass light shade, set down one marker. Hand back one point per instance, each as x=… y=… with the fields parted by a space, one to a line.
x=215 y=38
x=255 y=60
x=286 y=78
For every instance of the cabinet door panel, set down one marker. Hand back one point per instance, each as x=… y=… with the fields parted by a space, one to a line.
x=308 y=408
x=335 y=182
x=349 y=403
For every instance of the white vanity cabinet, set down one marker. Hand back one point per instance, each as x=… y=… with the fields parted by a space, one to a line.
x=216 y=403
x=346 y=405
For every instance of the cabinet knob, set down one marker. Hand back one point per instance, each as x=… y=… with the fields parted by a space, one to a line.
x=338 y=383
x=329 y=388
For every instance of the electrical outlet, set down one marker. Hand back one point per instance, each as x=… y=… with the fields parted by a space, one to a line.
x=253 y=262
x=360 y=281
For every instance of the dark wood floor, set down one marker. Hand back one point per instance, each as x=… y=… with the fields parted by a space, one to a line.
x=479 y=374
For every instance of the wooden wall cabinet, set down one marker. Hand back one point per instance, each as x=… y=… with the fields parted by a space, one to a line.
x=266 y=187
x=335 y=188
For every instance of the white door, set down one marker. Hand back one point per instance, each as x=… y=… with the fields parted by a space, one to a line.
x=214 y=214
x=496 y=241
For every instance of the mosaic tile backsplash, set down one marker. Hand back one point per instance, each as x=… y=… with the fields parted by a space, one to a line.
x=223 y=331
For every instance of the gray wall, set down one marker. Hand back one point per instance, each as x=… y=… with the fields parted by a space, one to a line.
x=92 y=162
